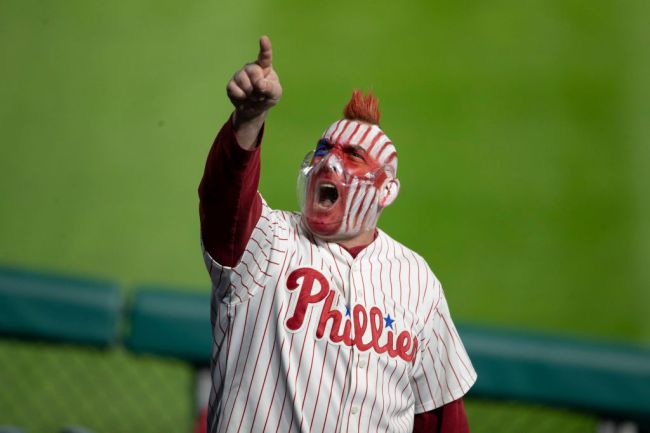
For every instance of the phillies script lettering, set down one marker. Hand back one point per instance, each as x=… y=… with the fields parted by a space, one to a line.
x=380 y=339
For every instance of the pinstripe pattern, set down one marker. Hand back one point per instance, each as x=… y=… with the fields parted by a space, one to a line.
x=369 y=137
x=268 y=378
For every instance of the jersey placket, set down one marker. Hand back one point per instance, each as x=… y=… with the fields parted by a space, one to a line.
x=356 y=379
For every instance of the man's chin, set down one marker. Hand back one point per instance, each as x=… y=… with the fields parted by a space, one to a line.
x=322 y=227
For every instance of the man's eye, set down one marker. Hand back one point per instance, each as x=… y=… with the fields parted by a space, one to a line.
x=321 y=152
x=322 y=148
x=356 y=155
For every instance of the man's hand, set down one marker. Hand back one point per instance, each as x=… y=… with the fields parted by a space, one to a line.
x=253 y=90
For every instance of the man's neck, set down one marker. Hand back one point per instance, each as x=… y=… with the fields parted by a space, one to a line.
x=356 y=244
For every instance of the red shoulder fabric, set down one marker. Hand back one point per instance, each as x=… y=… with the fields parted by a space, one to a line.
x=450 y=418
x=229 y=204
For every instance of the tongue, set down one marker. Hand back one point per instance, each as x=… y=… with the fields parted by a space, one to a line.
x=327 y=196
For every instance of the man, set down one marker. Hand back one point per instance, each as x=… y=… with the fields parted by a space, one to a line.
x=321 y=322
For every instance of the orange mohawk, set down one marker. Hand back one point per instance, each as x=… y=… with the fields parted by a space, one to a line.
x=362 y=107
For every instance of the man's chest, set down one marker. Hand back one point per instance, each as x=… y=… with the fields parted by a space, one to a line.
x=368 y=303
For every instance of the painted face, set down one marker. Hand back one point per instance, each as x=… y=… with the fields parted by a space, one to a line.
x=343 y=184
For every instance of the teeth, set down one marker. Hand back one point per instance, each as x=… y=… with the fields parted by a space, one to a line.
x=327 y=194
x=328 y=186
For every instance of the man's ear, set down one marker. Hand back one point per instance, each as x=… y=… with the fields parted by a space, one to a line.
x=389 y=192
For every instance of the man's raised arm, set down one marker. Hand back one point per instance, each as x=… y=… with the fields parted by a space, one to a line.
x=229 y=204
x=253 y=90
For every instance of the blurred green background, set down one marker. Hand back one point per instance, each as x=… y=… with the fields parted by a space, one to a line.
x=522 y=131
x=521 y=128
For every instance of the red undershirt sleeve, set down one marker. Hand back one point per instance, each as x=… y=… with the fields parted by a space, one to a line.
x=450 y=418
x=229 y=205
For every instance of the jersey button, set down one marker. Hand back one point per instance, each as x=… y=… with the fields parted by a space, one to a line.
x=359 y=294
x=354 y=410
x=362 y=363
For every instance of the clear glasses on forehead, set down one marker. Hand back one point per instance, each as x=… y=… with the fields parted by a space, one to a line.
x=303 y=175
x=335 y=163
x=307 y=160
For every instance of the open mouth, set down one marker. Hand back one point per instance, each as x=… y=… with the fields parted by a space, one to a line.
x=327 y=194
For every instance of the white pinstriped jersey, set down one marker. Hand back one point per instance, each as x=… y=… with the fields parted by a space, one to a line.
x=307 y=338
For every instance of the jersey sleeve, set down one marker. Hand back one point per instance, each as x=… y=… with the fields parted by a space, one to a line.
x=262 y=258
x=445 y=372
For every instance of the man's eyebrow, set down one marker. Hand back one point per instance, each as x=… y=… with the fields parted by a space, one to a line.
x=356 y=148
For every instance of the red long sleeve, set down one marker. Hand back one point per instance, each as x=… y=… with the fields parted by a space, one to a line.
x=450 y=418
x=229 y=203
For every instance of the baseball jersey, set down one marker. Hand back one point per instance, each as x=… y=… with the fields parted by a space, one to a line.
x=307 y=338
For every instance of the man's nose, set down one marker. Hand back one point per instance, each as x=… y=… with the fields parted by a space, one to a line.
x=333 y=163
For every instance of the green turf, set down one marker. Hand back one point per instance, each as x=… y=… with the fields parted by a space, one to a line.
x=521 y=128
x=48 y=386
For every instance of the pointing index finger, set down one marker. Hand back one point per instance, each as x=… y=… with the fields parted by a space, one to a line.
x=265 y=56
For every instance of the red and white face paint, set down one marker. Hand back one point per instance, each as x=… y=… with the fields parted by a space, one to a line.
x=346 y=182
